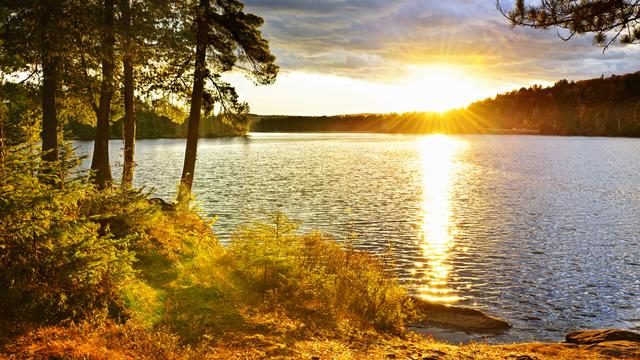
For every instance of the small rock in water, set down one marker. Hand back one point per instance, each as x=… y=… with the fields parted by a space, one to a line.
x=466 y=319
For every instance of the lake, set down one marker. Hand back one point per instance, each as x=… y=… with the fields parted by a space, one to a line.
x=541 y=231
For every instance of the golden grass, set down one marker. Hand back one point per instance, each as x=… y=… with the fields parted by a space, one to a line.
x=110 y=341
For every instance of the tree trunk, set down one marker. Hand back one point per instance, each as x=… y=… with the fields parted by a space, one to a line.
x=129 y=130
x=49 y=86
x=202 y=30
x=100 y=161
x=2 y=115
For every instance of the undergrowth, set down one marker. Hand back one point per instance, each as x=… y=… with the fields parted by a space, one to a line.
x=113 y=261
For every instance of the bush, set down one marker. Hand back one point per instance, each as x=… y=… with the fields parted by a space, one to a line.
x=313 y=274
x=57 y=260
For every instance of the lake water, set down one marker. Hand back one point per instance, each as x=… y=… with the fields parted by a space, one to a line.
x=541 y=231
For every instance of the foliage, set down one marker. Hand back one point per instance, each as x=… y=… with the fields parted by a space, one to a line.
x=234 y=42
x=66 y=248
x=600 y=107
x=108 y=341
x=609 y=20
x=313 y=274
x=152 y=125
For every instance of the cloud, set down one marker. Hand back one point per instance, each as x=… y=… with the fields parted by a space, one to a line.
x=378 y=39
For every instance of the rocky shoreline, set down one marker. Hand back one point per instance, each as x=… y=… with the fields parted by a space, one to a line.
x=448 y=319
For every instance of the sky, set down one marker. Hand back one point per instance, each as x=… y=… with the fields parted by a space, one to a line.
x=380 y=56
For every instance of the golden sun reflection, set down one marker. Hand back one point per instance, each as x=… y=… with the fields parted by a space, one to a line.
x=438 y=154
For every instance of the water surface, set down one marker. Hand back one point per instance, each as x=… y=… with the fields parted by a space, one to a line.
x=541 y=231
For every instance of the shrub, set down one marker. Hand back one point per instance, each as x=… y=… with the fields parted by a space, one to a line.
x=56 y=261
x=313 y=274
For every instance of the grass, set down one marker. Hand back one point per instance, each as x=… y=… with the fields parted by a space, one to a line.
x=112 y=341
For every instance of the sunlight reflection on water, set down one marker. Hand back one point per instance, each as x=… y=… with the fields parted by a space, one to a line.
x=438 y=152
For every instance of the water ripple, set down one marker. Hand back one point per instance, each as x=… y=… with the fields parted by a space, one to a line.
x=542 y=231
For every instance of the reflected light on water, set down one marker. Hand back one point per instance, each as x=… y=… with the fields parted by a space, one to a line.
x=438 y=153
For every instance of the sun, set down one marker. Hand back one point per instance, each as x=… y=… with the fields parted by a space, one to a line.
x=439 y=88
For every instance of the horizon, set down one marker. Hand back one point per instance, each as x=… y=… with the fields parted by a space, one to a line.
x=352 y=57
x=547 y=85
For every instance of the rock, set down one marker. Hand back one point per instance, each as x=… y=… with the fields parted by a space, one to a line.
x=520 y=357
x=611 y=342
x=315 y=358
x=164 y=206
x=456 y=317
x=588 y=337
x=617 y=348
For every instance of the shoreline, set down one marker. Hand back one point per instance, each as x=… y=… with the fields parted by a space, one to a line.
x=113 y=341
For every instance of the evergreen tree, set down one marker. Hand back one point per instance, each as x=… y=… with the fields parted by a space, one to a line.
x=100 y=160
x=144 y=32
x=34 y=37
x=129 y=127
x=609 y=20
x=225 y=38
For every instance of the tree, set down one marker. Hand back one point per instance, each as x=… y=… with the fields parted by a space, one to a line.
x=226 y=38
x=609 y=20
x=100 y=160
x=142 y=35
x=3 y=114
x=34 y=34
x=129 y=127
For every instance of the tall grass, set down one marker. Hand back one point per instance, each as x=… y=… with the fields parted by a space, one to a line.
x=313 y=274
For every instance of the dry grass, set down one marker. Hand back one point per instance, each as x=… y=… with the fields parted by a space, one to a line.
x=116 y=342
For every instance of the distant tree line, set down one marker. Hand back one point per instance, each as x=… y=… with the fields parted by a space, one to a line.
x=151 y=125
x=152 y=122
x=597 y=107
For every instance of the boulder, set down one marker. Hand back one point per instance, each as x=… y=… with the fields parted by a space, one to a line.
x=588 y=337
x=461 y=318
x=611 y=342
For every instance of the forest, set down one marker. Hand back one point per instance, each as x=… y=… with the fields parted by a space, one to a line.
x=596 y=107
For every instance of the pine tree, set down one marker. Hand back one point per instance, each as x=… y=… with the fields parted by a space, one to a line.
x=609 y=20
x=100 y=160
x=34 y=37
x=129 y=128
x=226 y=38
